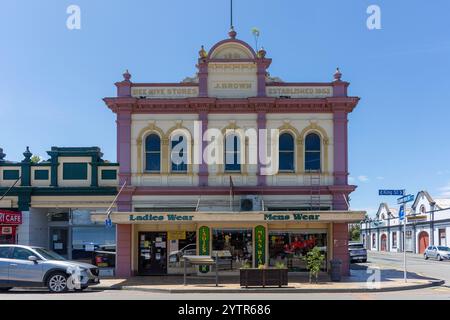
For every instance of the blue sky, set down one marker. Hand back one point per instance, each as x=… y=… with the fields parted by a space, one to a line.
x=53 y=79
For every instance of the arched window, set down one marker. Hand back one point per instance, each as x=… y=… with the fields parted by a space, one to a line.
x=312 y=152
x=178 y=154
x=232 y=153
x=153 y=153
x=286 y=152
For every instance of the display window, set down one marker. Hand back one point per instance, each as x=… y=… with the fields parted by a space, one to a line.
x=7 y=235
x=233 y=246
x=290 y=248
x=181 y=243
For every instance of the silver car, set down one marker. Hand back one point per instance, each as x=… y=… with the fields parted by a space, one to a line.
x=437 y=252
x=24 y=266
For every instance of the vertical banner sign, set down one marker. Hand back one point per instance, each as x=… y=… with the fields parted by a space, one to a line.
x=260 y=245
x=204 y=236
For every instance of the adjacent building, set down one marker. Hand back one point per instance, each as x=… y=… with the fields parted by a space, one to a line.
x=234 y=208
x=427 y=223
x=50 y=203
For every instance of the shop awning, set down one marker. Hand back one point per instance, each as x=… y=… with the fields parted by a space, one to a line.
x=253 y=216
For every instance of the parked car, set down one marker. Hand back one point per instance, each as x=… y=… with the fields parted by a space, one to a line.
x=357 y=252
x=437 y=252
x=25 y=266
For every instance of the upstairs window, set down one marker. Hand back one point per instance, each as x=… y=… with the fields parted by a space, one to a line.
x=153 y=153
x=312 y=152
x=178 y=155
x=232 y=153
x=286 y=153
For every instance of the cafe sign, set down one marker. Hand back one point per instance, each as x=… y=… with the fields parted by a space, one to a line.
x=10 y=217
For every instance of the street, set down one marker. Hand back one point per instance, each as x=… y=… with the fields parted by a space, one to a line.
x=416 y=264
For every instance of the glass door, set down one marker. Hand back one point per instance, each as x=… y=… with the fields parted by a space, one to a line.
x=152 y=253
x=59 y=239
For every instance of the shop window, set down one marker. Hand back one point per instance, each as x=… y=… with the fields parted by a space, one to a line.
x=233 y=246
x=10 y=174
x=312 y=152
x=178 y=154
x=153 y=153
x=41 y=174
x=180 y=243
x=290 y=248
x=394 y=240
x=442 y=237
x=286 y=153
x=91 y=244
x=232 y=153
x=75 y=171
x=109 y=174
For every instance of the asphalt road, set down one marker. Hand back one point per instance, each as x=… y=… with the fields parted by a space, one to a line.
x=415 y=263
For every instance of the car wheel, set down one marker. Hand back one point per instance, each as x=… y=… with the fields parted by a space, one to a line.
x=439 y=257
x=57 y=282
x=5 y=289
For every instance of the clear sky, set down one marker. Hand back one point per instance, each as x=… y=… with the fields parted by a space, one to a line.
x=53 y=79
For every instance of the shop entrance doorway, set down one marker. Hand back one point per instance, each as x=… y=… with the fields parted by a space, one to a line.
x=152 y=253
x=383 y=242
x=424 y=241
x=59 y=240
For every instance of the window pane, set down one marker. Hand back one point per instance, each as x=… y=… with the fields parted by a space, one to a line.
x=153 y=162
x=21 y=254
x=312 y=161
x=286 y=161
x=153 y=143
x=286 y=142
x=232 y=153
x=178 y=155
x=312 y=142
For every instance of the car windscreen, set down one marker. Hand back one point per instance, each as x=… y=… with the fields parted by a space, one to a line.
x=48 y=254
x=443 y=248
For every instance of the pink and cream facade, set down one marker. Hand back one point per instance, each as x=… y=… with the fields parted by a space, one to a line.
x=237 y=211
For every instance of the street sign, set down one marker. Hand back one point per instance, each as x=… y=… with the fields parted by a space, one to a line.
x=108 y=223
x=390 y=192
x=405 y=199
x=401 y=213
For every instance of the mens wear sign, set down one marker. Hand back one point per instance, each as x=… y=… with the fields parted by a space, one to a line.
x=10 y=217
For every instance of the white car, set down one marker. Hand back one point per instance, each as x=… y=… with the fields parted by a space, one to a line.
x=437 y=252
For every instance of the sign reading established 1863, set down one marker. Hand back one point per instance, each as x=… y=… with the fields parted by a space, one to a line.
x=203 y=242
x=260 y=245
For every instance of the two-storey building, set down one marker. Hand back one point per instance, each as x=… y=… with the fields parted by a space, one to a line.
x=187 y=163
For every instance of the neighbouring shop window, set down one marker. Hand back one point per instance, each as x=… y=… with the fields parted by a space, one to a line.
x=87 y=242
x=233 y=246
x=232 y=153
x=394 y=240
x=286 y=152
x=291 y=247
x=178 y=154
x=41 y=174
x=75 y=171
x=312 y=152
x=442 y=237
x=10 y=174
x=109 y=174
x=180 y=243
x=153 y=153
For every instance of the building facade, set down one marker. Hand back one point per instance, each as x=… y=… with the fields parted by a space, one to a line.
x=427 y=223
x=234 y=209
x=49 y=203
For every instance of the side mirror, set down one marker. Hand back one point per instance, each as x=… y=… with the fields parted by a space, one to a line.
x=33 y=258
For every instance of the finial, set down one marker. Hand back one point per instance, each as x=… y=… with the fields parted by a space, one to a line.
x=27 y=154
x=261 y=53
x=202 y=53
x=2 y=155
x=127 y=76
x=337 y=75
x=232 y=33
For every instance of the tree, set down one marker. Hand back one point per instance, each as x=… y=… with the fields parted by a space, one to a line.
x=35 y=159
x=314 y=261
x=355 y=232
